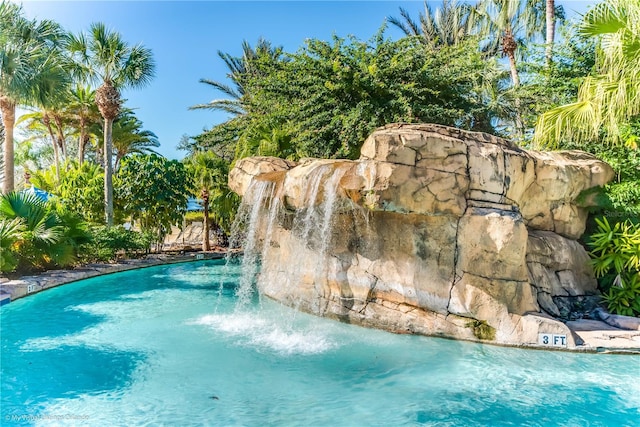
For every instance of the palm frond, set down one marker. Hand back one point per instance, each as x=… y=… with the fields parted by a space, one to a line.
x=231 y=106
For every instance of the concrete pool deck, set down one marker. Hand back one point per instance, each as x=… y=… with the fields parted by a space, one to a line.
x=594 y=336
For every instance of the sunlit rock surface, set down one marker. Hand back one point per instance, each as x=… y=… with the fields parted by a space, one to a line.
x=434 y=230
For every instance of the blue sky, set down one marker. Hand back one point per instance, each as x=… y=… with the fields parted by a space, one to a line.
x=186 y=35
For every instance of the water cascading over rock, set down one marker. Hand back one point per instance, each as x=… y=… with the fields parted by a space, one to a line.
x=434 y=230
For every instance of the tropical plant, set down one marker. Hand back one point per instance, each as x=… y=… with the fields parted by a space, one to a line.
x=29 y=71
x=153 y=191
x=111 y=243
x=239 y=68
x=46 y=239
x=610 y=98
x=10 y=232
x=129 y=137
x=80 y=191
x=502 y=24
x=105 y=57
x=616 y=256
x=266 y=139
x=210 y=175
x=447 y=25
x=83 y=109
x=49 y=119
x=324 y=100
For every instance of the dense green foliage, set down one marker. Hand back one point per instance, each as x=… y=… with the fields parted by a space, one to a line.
x=111 y=243
x=153 y=191
x=209 y=174
x=616 y=260
x=80 y=190
x=34 y=235
x=325 y=99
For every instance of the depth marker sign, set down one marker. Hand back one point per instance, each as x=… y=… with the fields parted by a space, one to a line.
x=552 y=340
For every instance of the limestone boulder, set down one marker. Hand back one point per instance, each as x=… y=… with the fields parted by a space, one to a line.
x=247 y=169
x=434 y=230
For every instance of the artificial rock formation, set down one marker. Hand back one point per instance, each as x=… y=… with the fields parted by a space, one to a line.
x=434 y=230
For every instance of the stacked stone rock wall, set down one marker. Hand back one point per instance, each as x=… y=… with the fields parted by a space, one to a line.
x=436 y=231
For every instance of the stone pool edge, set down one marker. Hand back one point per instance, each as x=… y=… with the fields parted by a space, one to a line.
x=11 y=290
x=596 y=336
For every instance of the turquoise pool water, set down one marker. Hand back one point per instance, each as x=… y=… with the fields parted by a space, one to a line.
x=167 y=346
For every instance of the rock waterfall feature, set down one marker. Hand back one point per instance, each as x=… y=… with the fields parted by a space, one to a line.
x=434 y=231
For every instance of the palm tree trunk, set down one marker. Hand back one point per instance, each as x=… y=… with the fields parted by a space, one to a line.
x=81 y=144
x=108 y=172
x=8 y=120
x=519 y=125
x=206 y=245
x=551 y=31
x=509 y=46
x=61 y=139
x=56 y=153
x=515 y=78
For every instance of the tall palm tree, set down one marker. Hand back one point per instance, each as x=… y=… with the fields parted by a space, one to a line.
x=446 y=26
x=501 y=22
x=105 y=57
x=611 y=96
x=29 y=71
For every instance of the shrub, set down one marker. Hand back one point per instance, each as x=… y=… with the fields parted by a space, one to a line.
x=616 y=260
x=109 y=244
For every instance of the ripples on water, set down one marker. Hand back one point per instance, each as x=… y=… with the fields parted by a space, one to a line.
x=168 y=346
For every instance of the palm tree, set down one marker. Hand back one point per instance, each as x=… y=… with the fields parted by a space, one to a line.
x=238 y=67
x=210 y=174
x=499 y=23
x=612 y=96
x=105 y=57
x=130 y=138
x=29 y=71
x=83 y=109
x=269 y=139
x=447 y=26
x=42 y=120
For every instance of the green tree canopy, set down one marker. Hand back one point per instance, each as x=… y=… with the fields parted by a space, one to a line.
x=153 y=191
x=325 y=99
x=610 y=97
x=30 y=72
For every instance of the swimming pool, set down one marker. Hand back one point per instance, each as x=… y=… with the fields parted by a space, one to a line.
x=168 y=345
